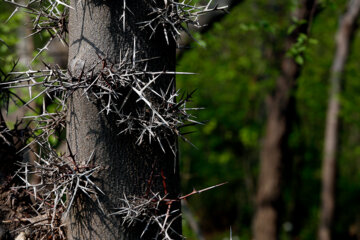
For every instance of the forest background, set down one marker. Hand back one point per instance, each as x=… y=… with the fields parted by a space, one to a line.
x=238 y=70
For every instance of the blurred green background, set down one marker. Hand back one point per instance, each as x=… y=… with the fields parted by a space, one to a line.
x=234 y=78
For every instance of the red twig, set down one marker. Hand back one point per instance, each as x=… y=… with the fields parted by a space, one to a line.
x=149 y=182
x=200 y=191
x=169 y=201
x=164 y=181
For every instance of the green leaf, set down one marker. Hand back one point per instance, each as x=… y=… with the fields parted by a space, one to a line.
x=313 y=41
x=291 y=29
x=299 y=60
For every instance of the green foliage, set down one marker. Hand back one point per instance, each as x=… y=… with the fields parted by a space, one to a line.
x=298 y=49
x=232 y=85
x=8 y=37
x=238 y=70
x=12 y=33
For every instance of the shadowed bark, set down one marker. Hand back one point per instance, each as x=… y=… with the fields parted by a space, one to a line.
x=346 y=29
x=272 y=156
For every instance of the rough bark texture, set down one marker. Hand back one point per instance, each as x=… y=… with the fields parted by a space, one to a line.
x=272 y=156
x=95 y=29
x=343 y=38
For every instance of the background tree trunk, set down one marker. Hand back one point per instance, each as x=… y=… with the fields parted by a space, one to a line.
x=95 y=29
x=272 y=156
x=347 y=26
x=25 y=46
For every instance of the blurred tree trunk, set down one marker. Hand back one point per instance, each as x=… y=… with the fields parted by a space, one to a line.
x=25 y=46
x=96 y=29
x=272 y=156
x=347 y=26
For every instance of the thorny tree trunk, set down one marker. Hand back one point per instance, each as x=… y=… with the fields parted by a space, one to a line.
x=96 y=29
x=265 y=222
x=344 y=34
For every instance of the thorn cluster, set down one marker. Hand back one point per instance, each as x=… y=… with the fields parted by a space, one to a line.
x=62 y=179
x=50 y=16
x=137 y=210
x=175 y=17
x=123 y=90
x=145 y=210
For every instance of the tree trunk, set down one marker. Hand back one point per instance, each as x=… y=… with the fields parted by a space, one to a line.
x=344 y=34
x=266 y=219
x=96 y=30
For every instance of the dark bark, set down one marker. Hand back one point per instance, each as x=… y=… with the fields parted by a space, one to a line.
x=95 y=29
x=272 y=156
x=7 y=149
x=346 y=29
